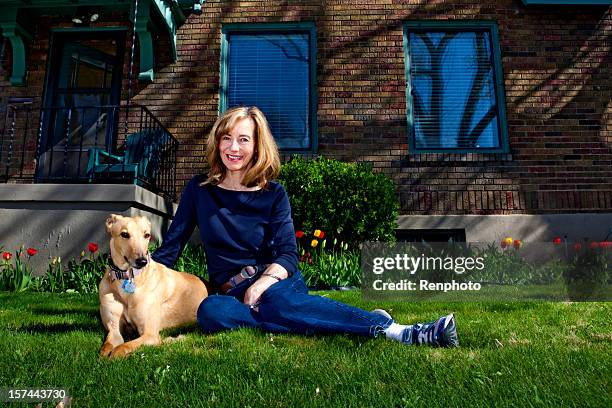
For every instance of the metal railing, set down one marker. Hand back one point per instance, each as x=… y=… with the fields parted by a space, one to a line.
x=17 y=141
x=87 y=144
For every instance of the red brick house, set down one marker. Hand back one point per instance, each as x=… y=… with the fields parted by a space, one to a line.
x=493 y=118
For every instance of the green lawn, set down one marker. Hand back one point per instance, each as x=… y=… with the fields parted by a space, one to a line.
x=511 y=354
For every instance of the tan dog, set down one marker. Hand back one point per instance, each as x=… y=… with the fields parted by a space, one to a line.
x=155 y=299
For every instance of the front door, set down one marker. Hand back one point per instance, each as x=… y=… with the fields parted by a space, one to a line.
x=81 y=101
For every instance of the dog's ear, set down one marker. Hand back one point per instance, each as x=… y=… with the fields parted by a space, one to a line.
x=110 y=221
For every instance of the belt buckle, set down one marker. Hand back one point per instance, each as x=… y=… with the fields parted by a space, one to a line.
x=244 y=272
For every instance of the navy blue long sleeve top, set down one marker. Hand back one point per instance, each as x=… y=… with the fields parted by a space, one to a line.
x=238 y=228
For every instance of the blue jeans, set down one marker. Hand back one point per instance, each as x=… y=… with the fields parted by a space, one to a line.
x=286 y=307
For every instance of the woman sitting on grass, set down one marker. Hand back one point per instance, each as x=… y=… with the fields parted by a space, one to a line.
x=245 y=222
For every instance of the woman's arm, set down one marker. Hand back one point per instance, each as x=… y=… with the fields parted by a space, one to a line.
x=181 y=228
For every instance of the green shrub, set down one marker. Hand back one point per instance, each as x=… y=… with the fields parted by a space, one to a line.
x=347 y=200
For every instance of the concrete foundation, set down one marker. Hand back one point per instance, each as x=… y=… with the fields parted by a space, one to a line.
x=528 y=228
x=61 y=219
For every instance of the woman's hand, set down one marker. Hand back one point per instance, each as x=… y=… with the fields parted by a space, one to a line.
x=254 y=292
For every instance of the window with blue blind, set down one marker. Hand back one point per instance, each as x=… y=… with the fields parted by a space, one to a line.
x=454 y=90
x=272 y=67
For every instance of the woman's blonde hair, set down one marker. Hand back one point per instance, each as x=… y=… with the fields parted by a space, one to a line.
x=265 y=162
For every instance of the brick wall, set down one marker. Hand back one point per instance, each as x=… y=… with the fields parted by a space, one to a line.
x=556 y=70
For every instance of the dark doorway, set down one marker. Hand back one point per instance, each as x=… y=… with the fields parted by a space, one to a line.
x=82 y=94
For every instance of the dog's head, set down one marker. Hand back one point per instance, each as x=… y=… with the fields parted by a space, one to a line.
x=129 y=240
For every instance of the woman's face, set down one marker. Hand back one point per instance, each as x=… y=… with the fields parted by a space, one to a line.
x=237 y=146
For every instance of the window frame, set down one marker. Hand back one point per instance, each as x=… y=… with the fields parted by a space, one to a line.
x=274 y=28
x=462 y=26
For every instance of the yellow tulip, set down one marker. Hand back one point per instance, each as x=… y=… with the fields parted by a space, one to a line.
x=314 y=243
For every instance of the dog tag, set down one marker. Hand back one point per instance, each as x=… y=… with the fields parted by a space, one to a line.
x=128 y=286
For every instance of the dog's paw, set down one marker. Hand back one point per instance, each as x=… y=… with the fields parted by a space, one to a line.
x=121 y=351
x=106 y=350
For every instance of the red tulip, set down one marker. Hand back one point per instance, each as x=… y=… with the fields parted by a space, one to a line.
x=299 y=234
x=518 y=243
x=577 y=246
x=605 y=244
x=593 y=245
x=32 y=251
x=92 y=247
x=7 y=256
x=557 y=241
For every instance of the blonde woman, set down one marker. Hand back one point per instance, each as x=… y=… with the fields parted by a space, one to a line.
x=245 y=223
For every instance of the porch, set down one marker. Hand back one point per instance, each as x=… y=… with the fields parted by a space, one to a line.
x=104 y=144
x=73 y=119
x=74 y=146
x=64 y=170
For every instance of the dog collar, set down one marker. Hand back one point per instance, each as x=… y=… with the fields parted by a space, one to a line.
x=120 y=274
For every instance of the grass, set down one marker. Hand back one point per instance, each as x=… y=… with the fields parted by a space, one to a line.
x=511 y=354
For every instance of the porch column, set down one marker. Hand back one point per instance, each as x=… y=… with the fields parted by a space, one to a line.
x=16 y=34
x=145 y=41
